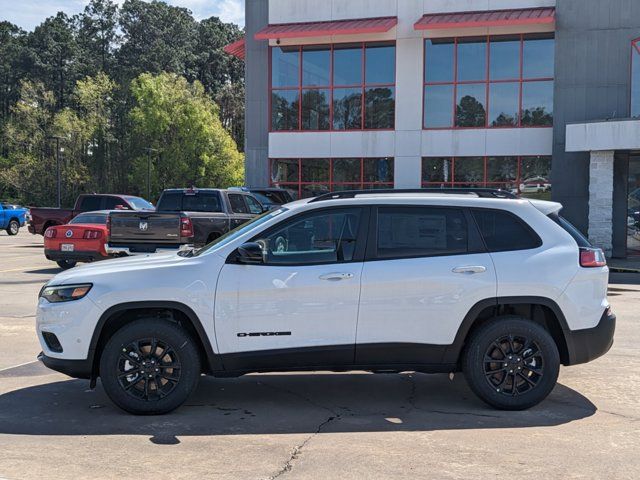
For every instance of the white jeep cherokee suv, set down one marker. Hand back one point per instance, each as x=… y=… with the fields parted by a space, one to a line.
x=502 y=289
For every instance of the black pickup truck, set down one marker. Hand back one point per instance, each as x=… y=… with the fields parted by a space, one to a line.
x=183 y=218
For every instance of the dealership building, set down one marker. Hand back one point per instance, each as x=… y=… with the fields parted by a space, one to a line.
x=534 y=96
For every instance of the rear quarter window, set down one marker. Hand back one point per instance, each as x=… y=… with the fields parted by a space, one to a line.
x=568 y=227
x=503 y=231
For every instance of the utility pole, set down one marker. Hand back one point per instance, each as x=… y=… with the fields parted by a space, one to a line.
x=58 y=182
x=149 y=150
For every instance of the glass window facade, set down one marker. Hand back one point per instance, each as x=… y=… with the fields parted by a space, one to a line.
x=489 y=81
x=310 y=177
x=333 y=87
x=635 y=79
x=526 y=176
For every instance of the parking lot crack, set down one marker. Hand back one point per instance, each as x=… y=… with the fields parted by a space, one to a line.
x=297 y=450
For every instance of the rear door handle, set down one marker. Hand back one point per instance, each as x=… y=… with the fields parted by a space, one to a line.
x=336 y=276
x=470 y=269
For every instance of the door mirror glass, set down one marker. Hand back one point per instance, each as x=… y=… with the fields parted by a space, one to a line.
x=251 y=253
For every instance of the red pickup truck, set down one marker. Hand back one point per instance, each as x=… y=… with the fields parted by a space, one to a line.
x=43 y=218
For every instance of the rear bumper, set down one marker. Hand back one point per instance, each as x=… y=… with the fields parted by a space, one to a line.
x=80 y=256
x=591 y=343
x=32 y=229
x=72 y=368
x=145 y=249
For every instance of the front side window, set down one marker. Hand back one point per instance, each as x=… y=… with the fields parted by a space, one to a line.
x=254 y=206
x=635 y=79
x=237 y=203
x=311 y=177
x=333 y=87
x=314 y=238
x=489 y=82
x=525 y=176
x=420 y=231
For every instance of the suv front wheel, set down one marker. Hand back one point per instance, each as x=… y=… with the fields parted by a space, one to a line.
x=511 y=363
x=150 y=367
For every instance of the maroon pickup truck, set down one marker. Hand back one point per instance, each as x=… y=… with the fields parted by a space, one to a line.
x=43 y=218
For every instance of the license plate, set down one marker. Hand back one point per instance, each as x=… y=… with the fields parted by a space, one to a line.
x=66 y=247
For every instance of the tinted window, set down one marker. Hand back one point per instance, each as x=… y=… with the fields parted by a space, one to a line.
x=438 y=66
x=503 y=231
x=421 y=231
x=285 y=66
x=202 y=202
x=580 y=239
x=237 y=203
x=635 y=79
x=110 y=203
x=97 y=219
x=90 y=203
x=170 y=202
x=253 y=204
x=319 y=237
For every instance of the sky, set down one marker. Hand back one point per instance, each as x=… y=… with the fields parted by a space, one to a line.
x=29 y=13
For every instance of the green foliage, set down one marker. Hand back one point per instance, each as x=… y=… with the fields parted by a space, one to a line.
x=180 y=123
x=113 y=84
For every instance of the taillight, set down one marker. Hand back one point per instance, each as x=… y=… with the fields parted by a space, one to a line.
x=108 y=225
x=592 y=257
x=186 y=227
x=50 y=233
x=92 y=234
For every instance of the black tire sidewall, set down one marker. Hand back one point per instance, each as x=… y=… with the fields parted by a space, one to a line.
x=480 y=341
x=66 y=264
x=168 y=332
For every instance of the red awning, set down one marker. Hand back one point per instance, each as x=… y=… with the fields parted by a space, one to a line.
x=236 y=49
x=318 y=29
x=487 y=18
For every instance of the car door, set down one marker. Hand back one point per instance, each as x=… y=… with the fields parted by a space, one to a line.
x=426 y=268
x=299 y=307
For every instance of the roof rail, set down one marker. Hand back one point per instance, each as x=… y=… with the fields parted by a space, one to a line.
x=480 y=192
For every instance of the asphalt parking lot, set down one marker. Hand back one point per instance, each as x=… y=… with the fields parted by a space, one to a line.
x=313 y=425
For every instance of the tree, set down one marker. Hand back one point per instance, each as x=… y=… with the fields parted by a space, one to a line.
x=52 y=56
x=156 y=38
x=230 y=99
x=470 y=112
x=179 y=120
x=12 y=43
x=97 y=36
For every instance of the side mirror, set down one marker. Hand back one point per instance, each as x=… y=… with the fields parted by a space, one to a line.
x=250 y=253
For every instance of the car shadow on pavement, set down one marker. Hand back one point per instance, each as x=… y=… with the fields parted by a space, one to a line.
x=283 y=404
x=43 y=271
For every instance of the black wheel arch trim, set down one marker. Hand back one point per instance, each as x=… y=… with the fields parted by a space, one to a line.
x=213 y=360
x=453 y=351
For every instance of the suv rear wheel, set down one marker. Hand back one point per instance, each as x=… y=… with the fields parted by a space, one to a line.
x=150 y=367
x=511 y=363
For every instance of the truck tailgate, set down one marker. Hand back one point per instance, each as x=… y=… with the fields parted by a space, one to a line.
x=140 y=228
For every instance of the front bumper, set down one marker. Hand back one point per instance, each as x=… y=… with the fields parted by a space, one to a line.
x=72 y=368
x=591 y=343
x=32 y=229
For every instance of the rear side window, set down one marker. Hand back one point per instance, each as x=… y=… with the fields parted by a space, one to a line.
x=502 y=231
x=170 y=202
x=237 y=203
x=580 y=239
x=421 y=231
x=90 y=203
x=202 y=202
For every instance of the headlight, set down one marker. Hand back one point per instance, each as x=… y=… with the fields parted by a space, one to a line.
x=64 y=293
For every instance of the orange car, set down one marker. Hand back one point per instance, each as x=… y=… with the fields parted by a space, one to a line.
x=83 y=239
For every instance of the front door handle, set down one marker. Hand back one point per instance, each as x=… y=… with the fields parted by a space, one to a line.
x=470 y=269
x=336 y=276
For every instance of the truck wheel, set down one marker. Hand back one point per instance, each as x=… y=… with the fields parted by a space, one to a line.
x=511 y=363
x=13 y=228
x=66 y=264
x=150 y=367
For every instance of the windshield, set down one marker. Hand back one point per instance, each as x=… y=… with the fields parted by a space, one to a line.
x=140 y=203
x=239 y=231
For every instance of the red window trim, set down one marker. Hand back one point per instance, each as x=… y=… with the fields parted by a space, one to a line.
x=485 y=182
x=487 y=82
x=635 y=44
x=363 y=85
x=329 y=183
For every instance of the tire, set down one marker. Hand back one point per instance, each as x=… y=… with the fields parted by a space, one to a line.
x=130 y=350
x=13 y=228
x=523 y=351
x=66 y=264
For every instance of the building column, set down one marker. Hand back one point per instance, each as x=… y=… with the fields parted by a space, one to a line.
x=601 y=200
